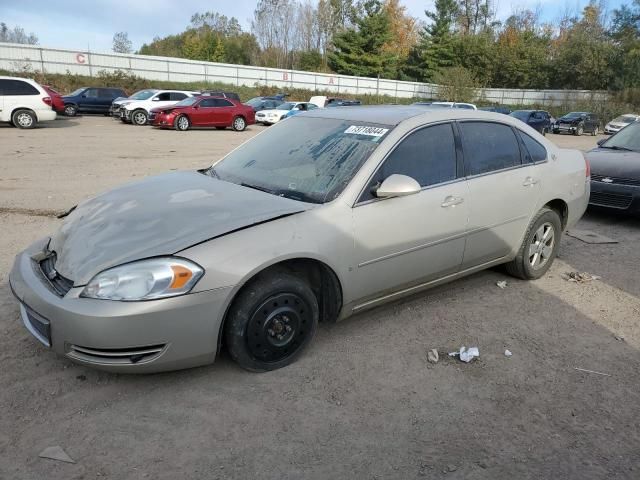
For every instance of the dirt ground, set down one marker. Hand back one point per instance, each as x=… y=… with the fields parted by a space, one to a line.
x=362 y=402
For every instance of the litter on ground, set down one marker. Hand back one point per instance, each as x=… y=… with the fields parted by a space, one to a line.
x=507 y=353
x=466 y=355
x=502 y=284
x=580 y=277
x=56 y=453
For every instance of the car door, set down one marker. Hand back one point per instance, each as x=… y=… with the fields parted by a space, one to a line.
x=405 y=241
x=4 y=115
x=204 y=113
x=162 y=99
x=503 y=190
x=536 y=121
x=224 y=111
x=104 y=99
x=89 y=100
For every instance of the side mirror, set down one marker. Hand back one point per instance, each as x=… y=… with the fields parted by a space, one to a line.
x=601 y=141
x=155 y=99
x=195 y=107
x=397 y=185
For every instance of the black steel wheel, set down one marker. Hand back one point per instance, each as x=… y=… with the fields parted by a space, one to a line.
x=271 y=321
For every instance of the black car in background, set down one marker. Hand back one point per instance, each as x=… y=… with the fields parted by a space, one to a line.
x=221 y=94
x=539 y=120
x=266 y=103
x=578 y=123
x=497 y=109
x=615 y=171
x=91 y=100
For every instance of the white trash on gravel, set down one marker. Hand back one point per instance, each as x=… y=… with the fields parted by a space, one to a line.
x=466 y=355
x=56 y=453
x=507 y=353
x=432 y=356
x=502 y=284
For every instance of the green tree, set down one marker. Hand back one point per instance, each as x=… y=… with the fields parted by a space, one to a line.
x=434 y=50
x=625 y=33
x=218 y=52
x=359 y=50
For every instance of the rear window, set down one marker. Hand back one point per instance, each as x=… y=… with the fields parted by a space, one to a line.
x=17 y=87
x=488 y=147
x=534 y=151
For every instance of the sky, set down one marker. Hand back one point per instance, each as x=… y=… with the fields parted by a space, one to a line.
x=82 y=24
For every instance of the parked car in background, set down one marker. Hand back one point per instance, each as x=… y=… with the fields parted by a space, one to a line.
x=620 y=122
x=301 y=107
x=57 y=103
x=269 y=117
x=497 y=109
x=137 y=111
x=539 y=120
x=221 y=94
x=24 y=103
x=120 y=102
x=322 y=101
x=323 y=216
x=203 y=111
x=578 y=123
x=615 y=171
x=91 y=100
x=265 y=103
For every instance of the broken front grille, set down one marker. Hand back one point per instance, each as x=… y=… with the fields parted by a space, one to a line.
x=59 y=284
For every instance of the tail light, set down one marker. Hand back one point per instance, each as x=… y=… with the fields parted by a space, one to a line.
x=47 y=100
x=588 y=167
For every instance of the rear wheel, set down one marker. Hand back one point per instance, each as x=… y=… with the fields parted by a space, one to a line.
x=239 y=124
x=139 y=117
x=595 y=132
x=539 y=247
x=182 y=123
x=271 y=321
x=70 y=110
x=24 y=119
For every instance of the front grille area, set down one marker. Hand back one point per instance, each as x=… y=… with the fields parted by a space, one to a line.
x=58 y=283
x=616 y=180
x=613 y=200
x=115 y=356
x=37 y=325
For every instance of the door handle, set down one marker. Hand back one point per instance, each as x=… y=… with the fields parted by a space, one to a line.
x=451 y=201
x=529 y=182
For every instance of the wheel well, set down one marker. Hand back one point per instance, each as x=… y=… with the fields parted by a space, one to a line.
x=22 y=108
x=320 y=277
x=561 y=208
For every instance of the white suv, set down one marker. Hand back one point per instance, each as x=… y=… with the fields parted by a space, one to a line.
x=137 y=111
x=24 y=103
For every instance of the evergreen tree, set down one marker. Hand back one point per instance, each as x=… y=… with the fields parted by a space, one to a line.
x=359 y=50
x=218 y=52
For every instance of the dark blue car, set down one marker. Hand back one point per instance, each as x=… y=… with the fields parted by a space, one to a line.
x=91 y=100
x=537 y=119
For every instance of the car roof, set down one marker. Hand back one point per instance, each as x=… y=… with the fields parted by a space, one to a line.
x=395 y=114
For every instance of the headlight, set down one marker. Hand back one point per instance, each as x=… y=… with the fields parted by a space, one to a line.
x=145 y=280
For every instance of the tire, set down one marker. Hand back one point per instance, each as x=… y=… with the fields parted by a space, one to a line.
x=543 y=132
x=70 y=110
x=271 y=321
x=239 y=124
x=182 y=123
x=528 y=266
x=579 y=130
x=595 y=132
x=139 y=117
x=24 y=119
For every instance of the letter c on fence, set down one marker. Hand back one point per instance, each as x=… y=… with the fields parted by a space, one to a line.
x=80 y=58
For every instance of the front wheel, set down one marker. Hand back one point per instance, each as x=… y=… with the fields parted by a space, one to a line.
x=139 y=117
x=271 y=322
x=239 y=124
x=24 y=119
x=539 y=247
x=579 y=130
x=70 y=110
x=182 y=123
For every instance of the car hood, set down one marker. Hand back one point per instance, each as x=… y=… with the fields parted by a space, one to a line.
x=160 y=215
x=614 y=163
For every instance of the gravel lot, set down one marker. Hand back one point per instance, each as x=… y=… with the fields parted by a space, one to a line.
x=362 y=402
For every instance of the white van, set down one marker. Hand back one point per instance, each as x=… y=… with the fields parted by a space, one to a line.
x=24 y=103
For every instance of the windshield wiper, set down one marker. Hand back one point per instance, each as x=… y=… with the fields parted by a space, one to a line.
x=616 y=147
x=257 y=187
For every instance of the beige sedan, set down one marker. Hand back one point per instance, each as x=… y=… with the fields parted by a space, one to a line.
x=327 y=214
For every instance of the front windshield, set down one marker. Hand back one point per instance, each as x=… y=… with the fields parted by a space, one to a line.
x=255 y=102
x=187 y=102
x=624 y=119
x=77 y=92
x=626 y=139
x=305 y=158
x=286 y=106
x=574 y=115
x=521 y=115
x=142 y=94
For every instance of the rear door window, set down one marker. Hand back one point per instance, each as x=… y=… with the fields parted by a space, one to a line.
x=91 y=93
x=17 y=87
x=208 y=103
x=163 y=97
x=177 y=96
x=221 y=102
x=533 y=151
x=488 y=147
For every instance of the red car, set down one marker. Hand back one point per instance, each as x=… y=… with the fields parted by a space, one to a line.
x=57 y=103
x=204 y=111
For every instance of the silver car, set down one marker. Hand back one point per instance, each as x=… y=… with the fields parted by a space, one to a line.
x=325 y=215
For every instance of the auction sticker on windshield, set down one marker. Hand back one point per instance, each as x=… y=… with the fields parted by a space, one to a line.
x=368 y=131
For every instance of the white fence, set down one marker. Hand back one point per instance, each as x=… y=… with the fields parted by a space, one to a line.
x=51 y=60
